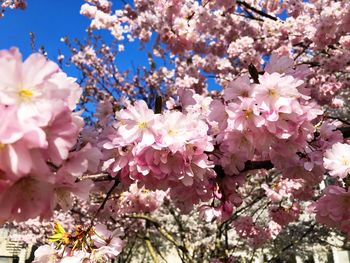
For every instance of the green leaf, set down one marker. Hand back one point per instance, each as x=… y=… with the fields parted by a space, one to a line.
x=58 y=233
x=59 y=229
x=56 y=237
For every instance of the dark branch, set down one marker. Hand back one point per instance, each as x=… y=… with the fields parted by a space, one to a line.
x=158 y=105
x=253 y=73
x=345 y=131
x=108 y=195
x=296 y=242
x=253 y=165
x=255 y=10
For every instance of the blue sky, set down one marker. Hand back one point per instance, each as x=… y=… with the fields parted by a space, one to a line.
x=50 y=20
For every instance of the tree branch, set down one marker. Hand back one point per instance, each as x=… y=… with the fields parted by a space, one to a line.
x=162 y=231
x=95 y=177
x=257 y=11
x=291 y=244
x=151 y=250
x=150 y=247
x=345 y=131
x=109 y=193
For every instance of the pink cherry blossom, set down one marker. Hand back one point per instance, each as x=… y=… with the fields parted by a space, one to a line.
x=337 y=160
x=332 y=208
x=26 y=198
x=276 y=90
x=45 y=254
x=108 y=243
x=136 y=122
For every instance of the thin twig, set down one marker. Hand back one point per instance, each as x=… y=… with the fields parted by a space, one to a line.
x=109 y=193
x=151 y=250
x=293 y=243
x=162 y=231
x=257 y=11
x=96 y=177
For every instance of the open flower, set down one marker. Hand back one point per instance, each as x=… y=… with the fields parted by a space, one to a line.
x=337 y=160
x=31 y=85
x=108 y=243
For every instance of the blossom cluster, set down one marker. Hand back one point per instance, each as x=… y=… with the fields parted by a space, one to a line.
x=284 y=188
x=262 y=117
x=259 y=121
x=136 y=200
x=255 y=234
x=37 y=133
x=332 y=209
x=162 y=151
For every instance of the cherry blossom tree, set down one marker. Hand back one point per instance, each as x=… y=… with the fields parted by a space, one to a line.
x=164 y=160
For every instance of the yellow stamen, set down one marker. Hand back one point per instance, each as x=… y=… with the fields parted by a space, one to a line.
x=248 y=113
x=172 y=132
x=345 y=161
x=273 y=93
x=2 y=146
x=25 y=94
x=142 y=125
